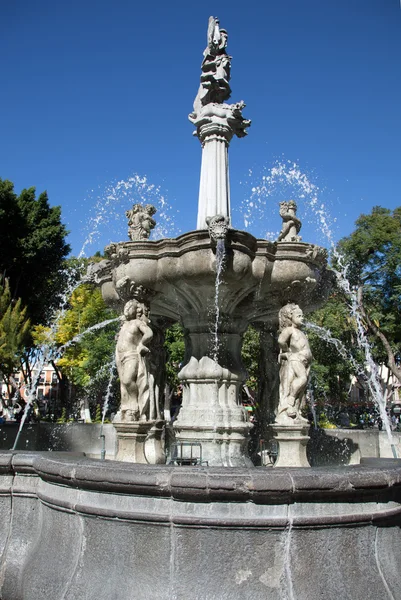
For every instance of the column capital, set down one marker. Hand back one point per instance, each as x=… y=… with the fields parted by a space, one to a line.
x=220 y=121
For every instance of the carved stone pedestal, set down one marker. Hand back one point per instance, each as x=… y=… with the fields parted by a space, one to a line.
x=211 y=413
x=292 y=441
x=154 y=443
x=140 y=441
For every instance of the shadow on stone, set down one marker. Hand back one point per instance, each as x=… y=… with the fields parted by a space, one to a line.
x=326 y=450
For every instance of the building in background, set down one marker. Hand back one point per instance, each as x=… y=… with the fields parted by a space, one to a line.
x=48 y=390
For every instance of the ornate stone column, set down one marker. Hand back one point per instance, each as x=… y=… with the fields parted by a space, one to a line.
x=214 y=188
x=212 y=412
x=216 y=122
x=268 y=374
x=216 y=125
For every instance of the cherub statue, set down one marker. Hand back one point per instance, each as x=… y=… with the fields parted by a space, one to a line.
x=295 y=360
x=291 y=224
x=216 y=66
x=140 y=221
x=132 y=346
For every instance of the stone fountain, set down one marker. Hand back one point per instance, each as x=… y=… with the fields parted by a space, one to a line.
x=131 y=529
x=215 y=281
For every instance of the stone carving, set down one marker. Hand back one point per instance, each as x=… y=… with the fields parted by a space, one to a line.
x=140 y=221
x=268 y=376
x=132 y=347
x=317 y=254
x=295 y=359
x=218 y=227
x=222 y=120
x=129 y=290
x=117 y=253
x=98 y=272
x=156 y=361
x=216 y=67
x=291 y=223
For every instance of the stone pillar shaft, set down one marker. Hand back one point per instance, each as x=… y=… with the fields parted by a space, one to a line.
x=214 y=189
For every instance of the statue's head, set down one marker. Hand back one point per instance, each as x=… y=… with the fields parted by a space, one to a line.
x=130 y=309
x=283 y=207
x=150 y=209
x=223 y=39
x=292 y=205
x=290 y=314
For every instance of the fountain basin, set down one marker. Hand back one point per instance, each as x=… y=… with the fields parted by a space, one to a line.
x=149 y=531
x=181 y=275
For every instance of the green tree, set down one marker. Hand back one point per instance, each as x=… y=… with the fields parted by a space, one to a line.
x=333 y=361
x=88 y=355
x=14 y=330
x=373 y=253
x=32 y=250
x=175 y=347
x=250 y=356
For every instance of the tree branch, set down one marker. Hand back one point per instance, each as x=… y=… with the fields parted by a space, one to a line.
x=394 y=368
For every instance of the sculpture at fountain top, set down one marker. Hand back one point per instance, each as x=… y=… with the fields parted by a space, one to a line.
x=295 y=359
x=291 y=224
x=140 y=221
x=216 y=66
x=132 y=346
x=216 y=123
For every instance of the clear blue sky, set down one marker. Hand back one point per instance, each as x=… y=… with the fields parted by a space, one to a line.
x=96 y=91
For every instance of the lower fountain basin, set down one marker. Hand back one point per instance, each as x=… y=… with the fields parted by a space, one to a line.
x=133 y=532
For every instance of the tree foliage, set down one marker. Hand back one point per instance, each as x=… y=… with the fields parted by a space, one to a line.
x=88 y=356
x=32 y=250
x=175 y=347
x=373 y=255
x=334 y=349
x=14 y=329
x=250 y=356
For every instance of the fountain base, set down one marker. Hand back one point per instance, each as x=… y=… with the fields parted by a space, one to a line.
x=140 y=441
x=292 y=441
x=135 y=532
x=211 y=414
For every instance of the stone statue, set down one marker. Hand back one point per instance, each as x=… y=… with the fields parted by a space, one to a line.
x=216 y=66
x=295 y=359
x=140 y=221
x=132 y=346
x=291 y=223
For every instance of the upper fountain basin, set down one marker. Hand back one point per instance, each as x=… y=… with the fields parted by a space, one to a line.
x=179 y=275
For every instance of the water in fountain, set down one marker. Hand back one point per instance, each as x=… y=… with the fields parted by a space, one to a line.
x=106 y=400
x=326 y=335
x=48 y=351
x=311 y=398
x=288 y=180
x=108 y=211
x=220 y=264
